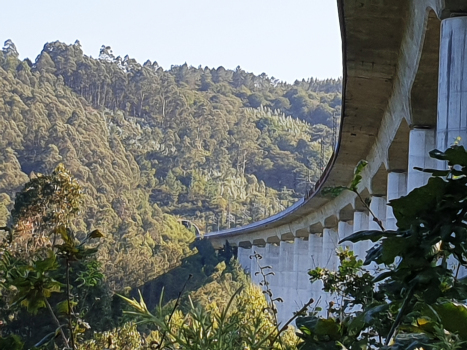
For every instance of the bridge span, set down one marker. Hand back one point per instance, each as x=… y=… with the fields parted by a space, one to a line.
x=404 y=94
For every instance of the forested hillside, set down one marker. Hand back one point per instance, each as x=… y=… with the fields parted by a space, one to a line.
x=221 y=148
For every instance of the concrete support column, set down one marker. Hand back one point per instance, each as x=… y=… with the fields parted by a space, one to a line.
x=378 y=207
x=360 y=223
x=243 y=257
x=452 y=92
x=301 y=267
x=421 y=142
x=301 y=263
x=344 y=229
x=330 y=242
x=452 y=84
x=256 y=262
x=397 y=187
x=315 y=249
x=286 y=279
x=285 y=267
x=272 y=254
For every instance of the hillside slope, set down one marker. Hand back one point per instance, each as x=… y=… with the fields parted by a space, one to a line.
x=218 y=147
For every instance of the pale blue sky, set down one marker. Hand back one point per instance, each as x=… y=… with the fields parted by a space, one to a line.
x=289 y=40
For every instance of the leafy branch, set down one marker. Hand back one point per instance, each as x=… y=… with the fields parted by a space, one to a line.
x=353 y=187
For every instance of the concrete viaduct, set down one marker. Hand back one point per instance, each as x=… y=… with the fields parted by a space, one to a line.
x=404 y=94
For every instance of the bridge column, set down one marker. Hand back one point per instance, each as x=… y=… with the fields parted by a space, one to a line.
x=301 y=267
x=243 y=257
x=272 y=259
x=360 y=223
x=452 y=83
x=315 y=249
x=330 y=243
x=378 y=207
x=452 y=92
x=397 y=187
x=254 y=268
x=286 y=276
x=345 y=229
x=421 y=142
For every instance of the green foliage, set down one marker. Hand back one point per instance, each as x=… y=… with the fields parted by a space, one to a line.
x=243 y=323
x=34 y=283
x=44 y=208
x=336 y=191
x=11 y=342
x=218 y=147
x=126 y=337
x=345 y=325
x=46 y=201
x=424 y=296
x=186 y=139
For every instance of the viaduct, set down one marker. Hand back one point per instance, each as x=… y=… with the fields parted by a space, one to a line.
x=404 y=94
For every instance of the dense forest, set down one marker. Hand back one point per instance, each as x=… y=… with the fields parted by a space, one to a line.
x=149 y=146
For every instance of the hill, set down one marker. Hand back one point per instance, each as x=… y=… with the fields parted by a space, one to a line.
x=218 y=147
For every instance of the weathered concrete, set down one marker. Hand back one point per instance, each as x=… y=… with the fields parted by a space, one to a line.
x=452 y=97
x=397 y=187
x=422 y=141
x=390 y=117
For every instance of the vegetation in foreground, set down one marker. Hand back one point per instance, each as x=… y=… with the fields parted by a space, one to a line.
x=417 y=301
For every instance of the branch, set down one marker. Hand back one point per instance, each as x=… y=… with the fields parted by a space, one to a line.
x=375 y=219
x=65 y=340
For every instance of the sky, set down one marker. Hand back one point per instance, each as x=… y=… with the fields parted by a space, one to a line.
x=289 y=40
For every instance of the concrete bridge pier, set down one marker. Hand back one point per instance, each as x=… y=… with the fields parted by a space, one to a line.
x=345 y=229
x=452 y=91
x=421 y=142
x=258 y=262
x=272 y=259
x=397 y=187
x=302 y=263
x=243 y=257
x=452 y=83
x=378 y=207
x=330 y=243
x=285 y=277
x=315 y=248
x=360 y=223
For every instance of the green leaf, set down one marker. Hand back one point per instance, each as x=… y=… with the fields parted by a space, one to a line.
x=372 y=235
x=421 y=200
x=453 y=155
x=320 y=327
x=62 y=307
x=454 y=317
x=12 y=342
x=357 y=175
x=96 y=234
x=434 y=172
x=48 y=264
x=332 y=192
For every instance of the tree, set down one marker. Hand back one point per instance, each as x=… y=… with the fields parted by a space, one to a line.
x=40 y=241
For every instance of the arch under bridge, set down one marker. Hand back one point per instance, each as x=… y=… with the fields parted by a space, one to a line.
x=404 y=94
